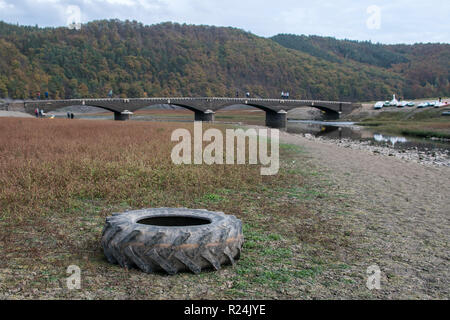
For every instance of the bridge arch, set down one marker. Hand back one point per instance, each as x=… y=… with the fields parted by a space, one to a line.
x=328 y=114
x=117 y=114
x=254 y=105
x=49 y=107
x=185 y=106
x=90 y=105
x=276 y=117
x=199 y=114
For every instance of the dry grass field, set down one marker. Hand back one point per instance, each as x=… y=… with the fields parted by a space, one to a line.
x=60 y=179
x=51 y=165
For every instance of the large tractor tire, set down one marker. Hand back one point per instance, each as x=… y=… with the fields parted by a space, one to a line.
x=172 y=239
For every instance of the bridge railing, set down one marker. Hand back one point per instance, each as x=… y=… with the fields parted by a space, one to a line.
x=163 y=99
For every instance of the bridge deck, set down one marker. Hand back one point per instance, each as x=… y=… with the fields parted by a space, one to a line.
x=209 y=99
x=199 y=105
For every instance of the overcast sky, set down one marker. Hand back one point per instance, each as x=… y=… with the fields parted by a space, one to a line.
x=387 y=21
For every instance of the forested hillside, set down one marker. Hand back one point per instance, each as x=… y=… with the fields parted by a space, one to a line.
x=184 y=60
x=425 y=68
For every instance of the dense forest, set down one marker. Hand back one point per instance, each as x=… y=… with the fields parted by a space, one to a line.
x=424 y=68
x=170 y=59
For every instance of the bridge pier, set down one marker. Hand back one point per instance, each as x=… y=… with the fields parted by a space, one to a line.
x=276 y=119
x=122 y=116
x=207 y=116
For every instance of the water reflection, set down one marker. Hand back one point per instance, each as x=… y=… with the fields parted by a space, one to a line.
x=335 y=130
x=393 y=140
x=348 y=130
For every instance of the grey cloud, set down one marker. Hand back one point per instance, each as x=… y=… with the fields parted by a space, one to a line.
x=402 y=21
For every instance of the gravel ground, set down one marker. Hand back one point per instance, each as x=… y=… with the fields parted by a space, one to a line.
x=436 y=158
x=400 y=215
x=15 y=114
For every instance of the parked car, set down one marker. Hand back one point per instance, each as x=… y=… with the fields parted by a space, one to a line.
x=440 y=104
x=378 y=105
x=402 y=104
x=423 y=105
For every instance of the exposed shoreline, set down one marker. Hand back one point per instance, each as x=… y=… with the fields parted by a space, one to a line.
x=437 y=158
x=15 y=114
x=398 y=217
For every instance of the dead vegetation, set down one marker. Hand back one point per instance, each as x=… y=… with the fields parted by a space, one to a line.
x=60 y=179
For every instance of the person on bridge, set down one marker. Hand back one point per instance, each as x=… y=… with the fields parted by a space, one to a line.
x=237 y=94
x=247 y=94
x=110 y=94
x=46 y=95
x=39 y=95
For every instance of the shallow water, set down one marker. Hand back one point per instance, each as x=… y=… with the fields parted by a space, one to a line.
x=349 y=130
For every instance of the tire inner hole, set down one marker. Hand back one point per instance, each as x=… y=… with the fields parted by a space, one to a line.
x=176 y=221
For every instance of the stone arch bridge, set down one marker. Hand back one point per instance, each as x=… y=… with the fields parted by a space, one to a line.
x=204 y=108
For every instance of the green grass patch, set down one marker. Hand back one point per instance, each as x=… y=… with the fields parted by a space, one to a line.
x=424 y=124
x=308 y=273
